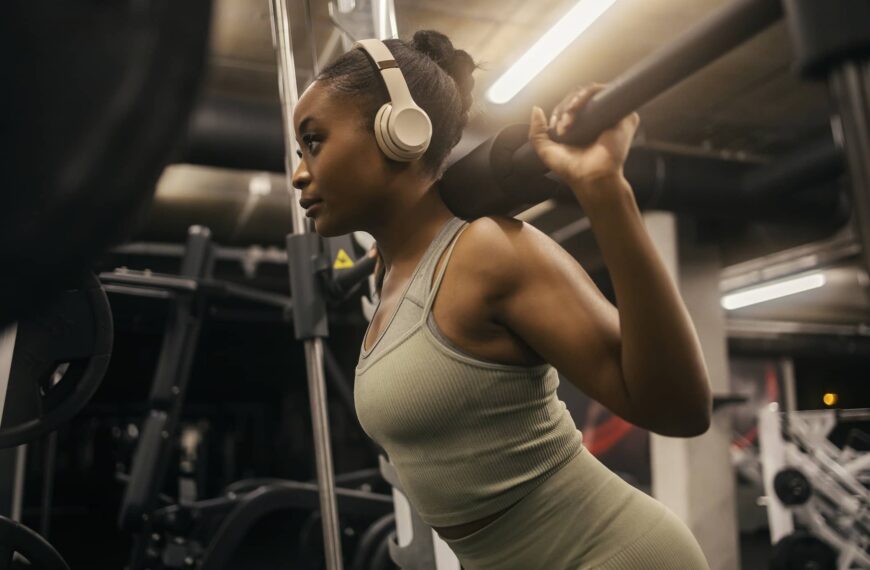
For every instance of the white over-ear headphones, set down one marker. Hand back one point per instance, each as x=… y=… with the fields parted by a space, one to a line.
x=403 y=130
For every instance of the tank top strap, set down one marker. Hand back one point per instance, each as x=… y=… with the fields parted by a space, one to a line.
x=433 y=290
x=418 y=290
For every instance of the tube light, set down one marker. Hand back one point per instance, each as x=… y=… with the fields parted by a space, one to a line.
x=547 y=48
x=773 y=291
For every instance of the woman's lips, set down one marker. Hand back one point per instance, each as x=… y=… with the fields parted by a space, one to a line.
x=313 y=209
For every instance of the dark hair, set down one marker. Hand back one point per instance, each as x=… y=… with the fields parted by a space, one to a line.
x=438 y=77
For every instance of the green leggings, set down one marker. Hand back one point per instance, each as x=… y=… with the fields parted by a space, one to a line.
x=582 y=517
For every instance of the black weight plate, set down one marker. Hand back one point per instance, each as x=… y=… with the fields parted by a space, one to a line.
x=802 y=551
x=381 y=559
x=76 y=328
x=792 y=487
x=370 y=540
x=15 y=537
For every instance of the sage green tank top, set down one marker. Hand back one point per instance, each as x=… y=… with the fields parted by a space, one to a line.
x=468 y=438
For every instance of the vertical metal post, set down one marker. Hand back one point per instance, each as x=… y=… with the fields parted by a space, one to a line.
x=18 y=482
x=48 y=483
x=384 y=19
x=7 y=349
x=831 y=41
x=166 y=399
x=283 y=43
x=9 y=459
x=786 y=369
x=771 y=449
x=850 y=88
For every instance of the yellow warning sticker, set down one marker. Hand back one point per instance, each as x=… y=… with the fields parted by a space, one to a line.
x=342 y=260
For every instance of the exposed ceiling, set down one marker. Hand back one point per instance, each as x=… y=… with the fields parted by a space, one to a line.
x=749 y=101
x=748 y=105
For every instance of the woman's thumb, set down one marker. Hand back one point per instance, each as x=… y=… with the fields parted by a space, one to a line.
x=538 y=125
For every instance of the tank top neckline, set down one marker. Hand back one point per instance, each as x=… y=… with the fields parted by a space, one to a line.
x=422 y=261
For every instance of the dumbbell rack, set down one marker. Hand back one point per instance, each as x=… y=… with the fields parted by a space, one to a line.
x=830 y=497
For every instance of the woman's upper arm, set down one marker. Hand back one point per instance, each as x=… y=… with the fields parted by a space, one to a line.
x=545 y=297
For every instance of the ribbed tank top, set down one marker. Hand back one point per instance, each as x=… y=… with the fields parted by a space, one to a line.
x=468 y=438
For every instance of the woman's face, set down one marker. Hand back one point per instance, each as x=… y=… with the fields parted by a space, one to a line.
x=341 y=165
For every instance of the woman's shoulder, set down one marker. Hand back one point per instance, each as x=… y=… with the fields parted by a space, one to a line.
x=497 y=249
x=504 y=238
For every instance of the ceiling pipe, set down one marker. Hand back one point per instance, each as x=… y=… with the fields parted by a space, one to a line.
x=237 y=133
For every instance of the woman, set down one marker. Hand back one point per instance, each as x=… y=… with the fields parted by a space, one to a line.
x=457 y=373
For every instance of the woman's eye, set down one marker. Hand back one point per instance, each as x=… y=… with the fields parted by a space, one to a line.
x=311 y=142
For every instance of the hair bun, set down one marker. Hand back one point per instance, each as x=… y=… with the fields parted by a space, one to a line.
x=457 y=63
x=434 y=44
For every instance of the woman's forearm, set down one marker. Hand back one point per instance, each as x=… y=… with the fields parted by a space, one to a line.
x=662 y=363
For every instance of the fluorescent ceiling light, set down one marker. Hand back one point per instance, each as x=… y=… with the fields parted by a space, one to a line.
x=546 y=49
x=773 y=291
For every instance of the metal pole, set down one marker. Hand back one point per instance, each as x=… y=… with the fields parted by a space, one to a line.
x=723 y=30
x=831 y=40
x=850 y=87
x=786 y=369
x=283 y=43
x=48 y=483
x=7 y=349
x=18 y=485
x=10 y=504
x=772 y=453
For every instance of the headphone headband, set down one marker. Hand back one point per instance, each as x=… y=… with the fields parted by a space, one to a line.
x=402 y=129
x=394 y=80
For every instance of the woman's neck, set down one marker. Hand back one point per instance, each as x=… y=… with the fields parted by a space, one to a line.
x=404 y=237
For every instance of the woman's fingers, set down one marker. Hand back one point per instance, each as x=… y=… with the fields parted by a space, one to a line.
x=571 y=105
x=538 y=127
x=579 y=100
x=539 y=137
x=629 y=124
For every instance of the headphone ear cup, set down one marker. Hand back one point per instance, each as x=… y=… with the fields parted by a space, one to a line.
x=402 y=134
x=409 y=129
x=381 y=133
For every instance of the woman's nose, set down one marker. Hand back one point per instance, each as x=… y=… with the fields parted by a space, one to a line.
x=301 y=177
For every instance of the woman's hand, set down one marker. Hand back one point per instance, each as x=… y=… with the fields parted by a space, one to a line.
x=581 y=166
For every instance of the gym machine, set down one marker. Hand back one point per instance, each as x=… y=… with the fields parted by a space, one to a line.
x=816 y=493
x=203 y=533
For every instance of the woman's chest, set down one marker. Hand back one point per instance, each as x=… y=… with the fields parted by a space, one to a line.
x=463 y=316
